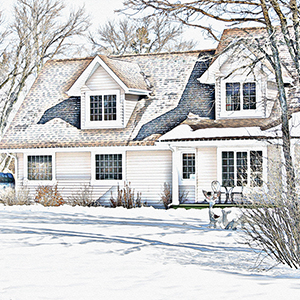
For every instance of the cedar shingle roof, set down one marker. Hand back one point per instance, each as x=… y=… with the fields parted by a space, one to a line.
x=47 y=116
x=50 y=118
x=128 y=72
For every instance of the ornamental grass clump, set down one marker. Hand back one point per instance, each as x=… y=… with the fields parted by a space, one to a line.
x=166 y=195
x=125 y=197
x=83 y=197
x=49 y=196
x=10 y=196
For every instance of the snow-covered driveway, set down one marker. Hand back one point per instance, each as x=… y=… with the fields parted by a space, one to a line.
x=102 y=253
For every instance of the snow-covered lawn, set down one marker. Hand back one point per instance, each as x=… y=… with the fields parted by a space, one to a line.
x=104 y=253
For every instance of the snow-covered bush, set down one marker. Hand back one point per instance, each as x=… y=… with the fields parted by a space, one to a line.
x=49 y=196
x=272 y=224
x=10 y=196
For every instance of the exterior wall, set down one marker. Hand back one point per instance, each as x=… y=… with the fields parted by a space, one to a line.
x=274 y=169
x=274 y=163
x=240 y=75
x=147 y=171
x=19 y=170
x=73 y=166
x=130 y=103
x=100 y=80
x=206 y=170
x=187 y=193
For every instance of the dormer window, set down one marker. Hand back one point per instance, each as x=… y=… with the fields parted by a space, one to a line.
x=103 y=109
x=240 y=96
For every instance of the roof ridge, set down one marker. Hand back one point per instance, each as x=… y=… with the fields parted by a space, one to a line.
x=243 y=28
x=161 y=53
x=71 y=59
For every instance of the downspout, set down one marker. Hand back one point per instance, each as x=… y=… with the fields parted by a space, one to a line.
x=175 y=186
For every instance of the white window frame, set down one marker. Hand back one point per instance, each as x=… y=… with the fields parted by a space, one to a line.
x=191 y=180
x=248 y=149
x=104 y=123
x=107 y=181
x=39 y=182
x=242 y=113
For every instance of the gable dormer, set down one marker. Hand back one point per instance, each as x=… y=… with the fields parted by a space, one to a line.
x=109 y=90
x=244 y=86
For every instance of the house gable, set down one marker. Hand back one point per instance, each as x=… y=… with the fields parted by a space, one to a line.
x=244 y=84
x=102 y=88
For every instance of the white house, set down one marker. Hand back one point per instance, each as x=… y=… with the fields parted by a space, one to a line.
x=185 y=118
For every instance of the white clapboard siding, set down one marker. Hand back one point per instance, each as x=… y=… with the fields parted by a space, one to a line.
x=20 y=166
x=19 y=176
x=101 y=80
x=71 y=165
x=147 y=171
x=206 y=169
x=187 y=193
x=130 y=103
x=218 y=98
x=72 y=189
x=274 y=163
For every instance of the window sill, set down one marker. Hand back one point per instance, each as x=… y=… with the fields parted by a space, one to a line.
x=39 y=182
x=241 y=115
x=89 y=125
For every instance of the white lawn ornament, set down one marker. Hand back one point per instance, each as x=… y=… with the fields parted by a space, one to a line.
x=233 y=224
x=213 y=218
x=224 y=217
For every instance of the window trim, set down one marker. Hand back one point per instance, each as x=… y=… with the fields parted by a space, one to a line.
x=104 y=123
x=107 y=181
x=248 y=150
x=242 y=113
x=40 y=182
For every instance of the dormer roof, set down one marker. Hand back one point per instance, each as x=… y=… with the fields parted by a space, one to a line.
x=127 y=74
x=239 y=42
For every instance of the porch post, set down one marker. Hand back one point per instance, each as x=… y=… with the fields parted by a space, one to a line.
x=175 y=174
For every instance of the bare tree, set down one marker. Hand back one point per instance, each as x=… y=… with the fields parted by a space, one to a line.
x=39 y=32
x=145 y=35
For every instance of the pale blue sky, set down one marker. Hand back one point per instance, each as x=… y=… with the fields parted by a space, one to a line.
x=103 y=10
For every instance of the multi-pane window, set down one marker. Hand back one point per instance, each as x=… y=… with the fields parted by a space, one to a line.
x=39 y=167
x=188 y=165
x=239 y=168
x=235 y=98
x=228 y=168
x=249 y=95
x=256 y=168
x=109 y=166
x=103 y=108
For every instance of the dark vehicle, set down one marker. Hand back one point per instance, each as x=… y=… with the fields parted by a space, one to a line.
x=6 y=180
